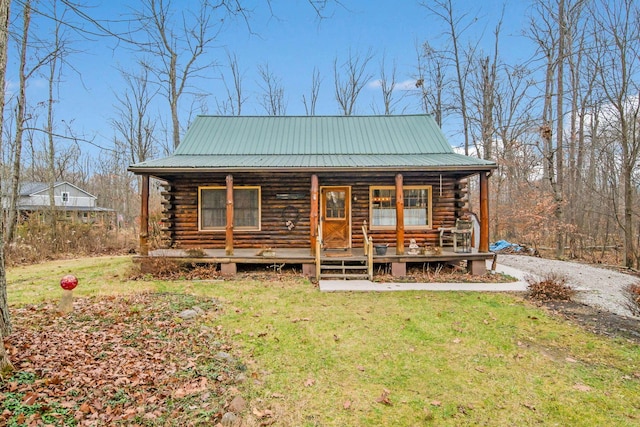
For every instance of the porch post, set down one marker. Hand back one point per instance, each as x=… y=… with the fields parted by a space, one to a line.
x=484 y=212
x=144 y=216
x=228 y=246
x=313 y=214
x=399 y=215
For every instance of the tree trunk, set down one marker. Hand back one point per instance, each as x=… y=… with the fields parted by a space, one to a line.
x=629 y=250
x=20 y=117
x=558 y=191
x=5 y=320
x=51 y=166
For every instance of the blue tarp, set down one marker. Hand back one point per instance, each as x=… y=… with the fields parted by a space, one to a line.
x=502 y=245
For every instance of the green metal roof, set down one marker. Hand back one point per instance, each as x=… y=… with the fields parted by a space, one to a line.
x=315 y=142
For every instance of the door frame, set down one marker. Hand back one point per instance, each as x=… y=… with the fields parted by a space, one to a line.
x=348 y=216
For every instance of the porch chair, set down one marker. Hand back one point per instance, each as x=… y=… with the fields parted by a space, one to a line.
x=460 y=233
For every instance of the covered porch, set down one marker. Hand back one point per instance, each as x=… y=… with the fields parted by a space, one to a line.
x=336 y=263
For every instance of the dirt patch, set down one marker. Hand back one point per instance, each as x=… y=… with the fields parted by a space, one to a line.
x=595 y=320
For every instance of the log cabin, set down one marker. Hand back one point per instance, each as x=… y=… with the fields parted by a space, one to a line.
x=330 y=193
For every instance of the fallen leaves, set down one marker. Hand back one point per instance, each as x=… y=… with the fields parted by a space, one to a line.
x=384 y=398
x=29 y=399
x=106 y=363
x=264 y=416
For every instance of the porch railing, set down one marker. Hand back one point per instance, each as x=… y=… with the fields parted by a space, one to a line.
x=368 y=250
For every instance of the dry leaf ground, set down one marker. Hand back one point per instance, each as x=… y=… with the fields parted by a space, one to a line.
x=117 y=360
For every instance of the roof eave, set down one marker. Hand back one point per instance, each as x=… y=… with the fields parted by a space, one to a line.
x=449 y=168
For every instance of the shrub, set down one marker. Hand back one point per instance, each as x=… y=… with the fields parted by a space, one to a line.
x=552 y=287
x=171 y=269
x=37 y=240
x=632 y=295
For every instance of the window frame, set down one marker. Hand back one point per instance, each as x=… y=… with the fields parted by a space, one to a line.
x=235 y=227
x=427 y=226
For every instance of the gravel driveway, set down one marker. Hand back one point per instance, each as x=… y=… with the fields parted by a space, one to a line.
x=597 y=287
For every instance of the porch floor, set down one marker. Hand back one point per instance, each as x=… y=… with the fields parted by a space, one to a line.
x=304 y=256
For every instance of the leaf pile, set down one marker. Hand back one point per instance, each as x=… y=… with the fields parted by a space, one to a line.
x=632 y=295
x=437 y=272
x=126 y=360
x=169 y=269
x=552 y=287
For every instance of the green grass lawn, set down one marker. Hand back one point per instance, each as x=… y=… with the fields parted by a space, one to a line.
x=390 y=358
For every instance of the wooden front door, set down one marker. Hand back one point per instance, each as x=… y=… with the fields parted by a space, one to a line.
x=336 y=217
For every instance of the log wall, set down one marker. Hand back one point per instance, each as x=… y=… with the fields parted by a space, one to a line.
x=180 y=222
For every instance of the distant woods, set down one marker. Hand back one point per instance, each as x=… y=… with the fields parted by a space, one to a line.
x=562 y=123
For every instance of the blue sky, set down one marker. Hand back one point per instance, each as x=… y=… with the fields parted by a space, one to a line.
x=292 y=41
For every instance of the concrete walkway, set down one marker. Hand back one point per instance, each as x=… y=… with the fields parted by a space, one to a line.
x=368 y=286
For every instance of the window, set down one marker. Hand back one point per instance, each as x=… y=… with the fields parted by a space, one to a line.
x=335 y=204
x=65 y=197
x=213 y=208
x=417 y=207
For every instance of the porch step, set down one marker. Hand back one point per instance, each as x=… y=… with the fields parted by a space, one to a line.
x=329 y=276
x=346 y=268
x=342 y=267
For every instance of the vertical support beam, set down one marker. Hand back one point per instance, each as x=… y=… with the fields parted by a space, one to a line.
x=313 y=214
x=484 y=212
x=228 y=245
x=399 y=215
x=144 y=216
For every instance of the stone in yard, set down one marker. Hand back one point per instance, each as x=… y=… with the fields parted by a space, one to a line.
x=225 y=357
x=241 y=378
x=229 y=419
x=188 y=314
x=237 y=405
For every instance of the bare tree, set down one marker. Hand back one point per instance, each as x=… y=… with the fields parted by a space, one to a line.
x=235 y=98
x=59 y=51
x=430 y=80
x=349 y=86
x=388 y=84
x=580 y=88
x=272 y=97
x=134 y=126
x=455 y=28
x=617 y=37
x=546 y=29
x=482 y=84
x=310 y=104
x=5 y=319
x=21 y=118
x=175 y=47
x=517 y=161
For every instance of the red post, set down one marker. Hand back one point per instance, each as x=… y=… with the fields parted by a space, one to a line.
x=484 y=212
x=144 y=216
x=228 y=247
x=313 y=215
x=399 y=215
